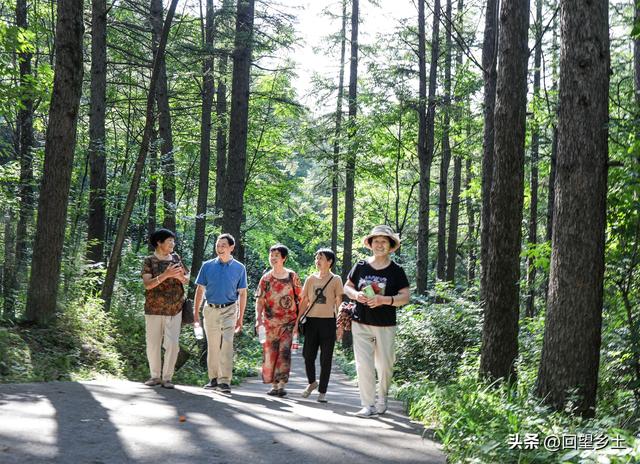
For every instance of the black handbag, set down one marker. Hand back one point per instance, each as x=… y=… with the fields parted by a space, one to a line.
x=187 y=312
x=303 y=320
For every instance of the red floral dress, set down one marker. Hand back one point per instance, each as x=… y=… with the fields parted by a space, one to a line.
x=280 y=299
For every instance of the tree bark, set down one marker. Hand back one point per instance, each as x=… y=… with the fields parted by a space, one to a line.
x=58 y=163
x=471 y=265
x=96 y=222
x=239 y=120
x=116 y=252
x=571 y=347
x=352 y=149
x=153 y=183
x=167 y=161
x=205 y=145
x=8 y=283
x=500 y=328
x=489 y=60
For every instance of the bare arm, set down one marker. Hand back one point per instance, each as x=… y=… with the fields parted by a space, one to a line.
x=242 y=297
x=198 y=303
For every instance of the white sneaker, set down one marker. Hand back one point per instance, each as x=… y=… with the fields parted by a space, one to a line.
x=307 y=391
x=322 y=398
x=153 y=381
x=381 y=406
x=367 y=411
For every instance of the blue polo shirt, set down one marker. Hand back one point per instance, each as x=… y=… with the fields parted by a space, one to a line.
x=222 y=280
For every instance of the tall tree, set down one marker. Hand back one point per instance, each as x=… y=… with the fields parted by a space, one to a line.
x=425 y=155
x=500 y=327
x=571 y=347
x=489 y=60
x=97 y=144
x=153 y=183
x=238 y=124
x=535 y=148
x=335 y=166
x=471 y=265
x=123 y=222
x=167 y=161
x=58 y=163
x=205 y=141
x=352 y=149
x=441 y=261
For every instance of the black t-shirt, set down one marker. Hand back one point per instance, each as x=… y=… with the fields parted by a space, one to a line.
x=388 y=282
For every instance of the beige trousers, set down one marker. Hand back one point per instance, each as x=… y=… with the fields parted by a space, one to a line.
x=374 y=350
x=219 y=325
x=162 y=332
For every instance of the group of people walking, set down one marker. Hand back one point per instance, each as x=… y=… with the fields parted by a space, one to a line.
x=377 y=285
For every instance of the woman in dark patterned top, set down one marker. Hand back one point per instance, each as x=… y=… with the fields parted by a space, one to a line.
x=163 y=275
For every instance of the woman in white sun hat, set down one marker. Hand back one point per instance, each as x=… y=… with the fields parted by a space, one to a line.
x=378 y=285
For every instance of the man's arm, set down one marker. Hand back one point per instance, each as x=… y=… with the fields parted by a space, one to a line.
x=242 y=297
x=198 y=303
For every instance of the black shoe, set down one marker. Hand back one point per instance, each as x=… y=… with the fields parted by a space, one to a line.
x=223 y=388
x=213 y=383
x=282 y=392
x=273 y=392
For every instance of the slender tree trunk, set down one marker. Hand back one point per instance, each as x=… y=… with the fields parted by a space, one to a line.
x=500 y=328
x=571 y=347
x=239 y=120
x=335 y=167
x=8 y=284
x=535 y=144
x=97 y=143
x=352 y=148
x=58 y=163
x=205 y=144
x=441 y=261
x=489 y=60
x=116 y=252
x=426 y=145
x=471 y=265
x=167 y=161
x=153 y=183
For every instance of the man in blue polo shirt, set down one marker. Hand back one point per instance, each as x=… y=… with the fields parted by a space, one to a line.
x=223 y=281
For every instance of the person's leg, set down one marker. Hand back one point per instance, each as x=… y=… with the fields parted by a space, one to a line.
x=363 y=350
x=212 y=328
x=310 y=348
x=171 y=344
x=385 y=357
x=327 y=342
x=228 y=317
x=153 y=333
x=283 y=363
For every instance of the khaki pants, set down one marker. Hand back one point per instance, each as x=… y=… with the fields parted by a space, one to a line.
x=162 y=332
x=374 y=350
x=219 y=325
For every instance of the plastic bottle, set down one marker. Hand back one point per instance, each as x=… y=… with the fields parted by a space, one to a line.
x=262 y=334
x=295 y=345
x=197 y=331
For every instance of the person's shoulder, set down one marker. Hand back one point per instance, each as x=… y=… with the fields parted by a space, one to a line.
x=236 y=263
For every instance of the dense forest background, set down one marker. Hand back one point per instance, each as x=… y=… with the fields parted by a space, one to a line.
x=501 y=140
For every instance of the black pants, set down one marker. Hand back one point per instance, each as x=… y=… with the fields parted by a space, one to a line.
x=320 y=333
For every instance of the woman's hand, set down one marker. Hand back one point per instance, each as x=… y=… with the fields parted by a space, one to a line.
x=376 y=301
x=174 y=271
x=362 y=298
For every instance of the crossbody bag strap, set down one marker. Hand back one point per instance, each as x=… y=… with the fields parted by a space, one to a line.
x=314 y=301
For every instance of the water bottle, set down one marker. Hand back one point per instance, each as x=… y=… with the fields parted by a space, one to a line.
x=262 y=334
x=197 y=331
x=295 y=345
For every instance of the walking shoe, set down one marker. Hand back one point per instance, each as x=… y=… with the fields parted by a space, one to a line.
x=381 y=406
x=273 y=391
x=307 y=391
x=168 y=384
x=153 y=381
x=367 y=411
x=322 y=398
x=223 y=388
x=213 y=383
x=282 y=392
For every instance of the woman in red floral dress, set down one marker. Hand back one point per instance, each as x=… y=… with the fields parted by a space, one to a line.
x=277 y=300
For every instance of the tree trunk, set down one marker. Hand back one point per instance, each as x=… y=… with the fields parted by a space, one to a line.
x=167 y=161
x=571 y=347
x=471 y=265
x=239 y=120
x=452 y=245
x=335 y=167
x=153 y=183
x=58 y=163
x=426 y=138
x=205 y=145
x=489 y=60
x=500 y=329
x=446 y=152
x=114 y=259
x=535 y=144
x=352 y=149
x=8 y=278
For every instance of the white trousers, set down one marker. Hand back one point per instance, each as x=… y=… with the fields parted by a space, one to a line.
x=162 y=332
x=374 y=349
x=219 y=325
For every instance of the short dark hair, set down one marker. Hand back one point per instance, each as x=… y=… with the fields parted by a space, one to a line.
x=392 y=242
x=159 y=236
x=327 y=253
x=283 y=250
x=230 y=240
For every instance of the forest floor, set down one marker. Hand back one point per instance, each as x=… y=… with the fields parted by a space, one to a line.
x=116 y=421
